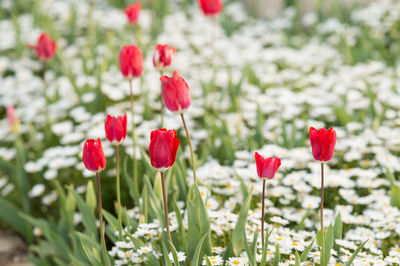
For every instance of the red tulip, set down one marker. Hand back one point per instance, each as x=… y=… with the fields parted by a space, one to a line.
x=116 y=128
x=175 y=92
x=267 y=167
x=12 y=118
x=132 y=12
x=45 y=48
x=93 y=156
x=322 y=143
x=163 y=56
x=211 y=7
x=131 y=61
x=163 y=147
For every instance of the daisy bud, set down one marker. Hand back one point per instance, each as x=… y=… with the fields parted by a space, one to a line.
x=211 y=7
x=131 y=61
x=13 y=120
x=115 y=127
x=163 y=147
x=175 y=92
x=267 y=167
x=93 y=156
x=45 y=47
x=163 y=56
x=322 y=143
x=132 y=12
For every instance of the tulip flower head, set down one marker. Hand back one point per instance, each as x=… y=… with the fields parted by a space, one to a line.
x=132 y=12
x=13 y=120
x=267 y=167
x=322 y=143
x=93 y=156
x=175 y=93
x=211 y=7
x=163 y=147
x=131 y=61
x=163 y=56
x=115 y=127
x=45 y=47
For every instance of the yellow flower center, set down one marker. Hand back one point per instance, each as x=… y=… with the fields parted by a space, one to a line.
x=235 y=262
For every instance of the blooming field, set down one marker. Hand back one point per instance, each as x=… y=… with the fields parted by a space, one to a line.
x=255 y=85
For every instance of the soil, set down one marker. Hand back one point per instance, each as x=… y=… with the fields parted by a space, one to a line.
x=13 y=250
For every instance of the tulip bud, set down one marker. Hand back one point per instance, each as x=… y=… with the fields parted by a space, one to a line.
x=163 y=147
x=93 y=156
x=323 y=143
x=175 y=93
x=115 y=128
x=131 y=61
x=13 y=121
x=132 y=12
x=211 y=7
x=267 y=167
x=45 y=48
x=163 y=56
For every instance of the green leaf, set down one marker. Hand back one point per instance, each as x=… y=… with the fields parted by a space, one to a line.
x=88 y=218
x=91 y=199
x=199 y=224
x=174 y=253
x=50 y=234
x=297 y=261
x=91 y=248
x=337 y=228
x=329 y=241
x=167 y=261
x=277 y=255
x=249 y=252
x=355 y=253
x=9 y=214
x=254 y=244
x=395 y=196
x=111 y=219
x=129 y=181
x=208 y=262
x=196 y=255
x=237 y=234
x=265 y=250
x=158 y=186
x=181 y=228
x=305 y=252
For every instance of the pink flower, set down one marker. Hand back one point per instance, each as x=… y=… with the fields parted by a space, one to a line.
x=45 y=48
x=163 y=56
x=131 y=61
x=211 y=7
x=175 y=92
x=163 y=147
x=93 y=156
x=115 y=128
x=267 y=167
x=12 y=118
x=323 y=143
x=132 y=12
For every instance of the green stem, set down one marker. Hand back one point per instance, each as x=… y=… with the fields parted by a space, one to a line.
x=100 y=207
x=119 y=208
x=191 y=148
x=322 y=217
x=134 y=176
x=162 y=104
x=165 y=206
x=262 y=216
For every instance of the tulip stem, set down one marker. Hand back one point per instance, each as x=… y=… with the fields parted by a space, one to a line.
x=119 y=208
x=44 y=70
x=165 y=206
x=322 y=217
x=135 y=179
x=162 y=104
x=262 y=216
x=100 y=207
x=191 y=148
